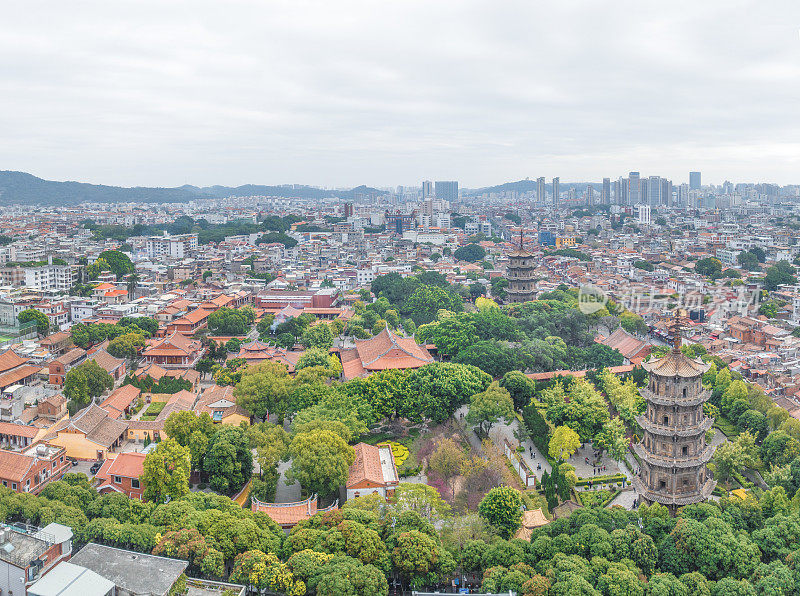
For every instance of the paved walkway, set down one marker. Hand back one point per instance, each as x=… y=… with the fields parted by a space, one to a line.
x=502 y=430
x=624 y=499
x=286 y=493
x=584 y=470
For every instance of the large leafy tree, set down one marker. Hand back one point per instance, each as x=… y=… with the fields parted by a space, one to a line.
x=228 y=321
x=471 y=253
x=228 y=461
x=489 y=407
x=265 y=571
x=346 y=576
x=436 y=390
x=126 y=345
x=86 y=381
x=118 y=262
x=521 y=388
x=31 y=314
x=264 y=389
x=320 y=460
x=502 y=508
x=166 y=472
x=563 y=443
x=426 y=301
x=318 y=336
x=192 y=431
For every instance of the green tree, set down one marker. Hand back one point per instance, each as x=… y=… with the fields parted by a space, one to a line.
x=320 y=460
x=31 y=314
x=227 y=321
x=346 y=576
x=118 y=262
x=447 y=461
x=502 y=508
x=86 y=381
x=166 y=472
x=126 y=345
x=264 y=389
x=709 y=267
x=471 y=253
x=318 y=336
x=612 y=438
x=426 y=301
x=490 y=406
x=564 y=443
x=521 y=388
x=779 y=274
x=228 y=461
x=436 y=390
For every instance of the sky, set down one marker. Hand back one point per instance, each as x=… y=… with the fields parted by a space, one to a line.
x=342 y=93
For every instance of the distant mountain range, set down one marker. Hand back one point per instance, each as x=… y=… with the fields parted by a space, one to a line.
x=20 y=188
x=529 y=185
x=25 y=189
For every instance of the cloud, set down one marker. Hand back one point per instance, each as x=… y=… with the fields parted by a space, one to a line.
x=350 y=92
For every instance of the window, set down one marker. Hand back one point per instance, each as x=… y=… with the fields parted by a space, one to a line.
x=117 y=480
x=135 y=483
x=684 y=451
x=13 y=486
x=662 y=484
x=55 y=463
x=666 y=420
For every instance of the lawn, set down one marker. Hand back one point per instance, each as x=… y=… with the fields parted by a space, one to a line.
x=153 y=410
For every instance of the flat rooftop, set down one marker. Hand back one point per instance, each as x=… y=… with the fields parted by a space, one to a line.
x=135 y=572
x=19 y=546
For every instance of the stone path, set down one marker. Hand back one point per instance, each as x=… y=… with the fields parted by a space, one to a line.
x=284 y=492
x=502 y=430
x=624 y=499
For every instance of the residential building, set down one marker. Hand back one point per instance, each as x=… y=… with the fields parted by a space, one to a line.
x=30 y=471
x=120 y=474
x=372 y=471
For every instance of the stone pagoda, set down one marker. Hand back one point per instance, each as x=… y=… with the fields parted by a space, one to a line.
x=673 y=449
x=521 y=264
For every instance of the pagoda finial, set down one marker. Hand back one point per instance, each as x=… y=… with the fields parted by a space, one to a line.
x=675 y=327
x=521 y=230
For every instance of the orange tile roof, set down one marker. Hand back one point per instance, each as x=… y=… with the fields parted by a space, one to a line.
x=18 y=374
x=18 y=430
x=387 y=350
x=128 y=465
x=14 y=466
x=122 y=397
x=9 y=359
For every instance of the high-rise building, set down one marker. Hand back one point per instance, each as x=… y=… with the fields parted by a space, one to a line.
x=673 y=450
x=666 y=191
x=556 y=191
x=634 y=189
x=540 y=190
x=605 y=193
x=427 y=189
x=654 y=188
x=589 y=195
x=682 y=196
x=621 y=191
x=694 y=181
x=348 y=209
x=447 y=190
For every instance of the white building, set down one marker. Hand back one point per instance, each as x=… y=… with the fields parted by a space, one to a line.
x=175 y=247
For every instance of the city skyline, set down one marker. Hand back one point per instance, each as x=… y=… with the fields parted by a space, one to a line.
x=309 y=93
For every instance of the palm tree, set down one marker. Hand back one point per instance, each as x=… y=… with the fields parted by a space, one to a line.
x=133 y=281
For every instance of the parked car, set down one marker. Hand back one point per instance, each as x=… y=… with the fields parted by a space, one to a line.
x=96 y=467
x=73 y=461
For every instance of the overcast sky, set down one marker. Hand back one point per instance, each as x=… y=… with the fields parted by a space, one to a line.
x=385 y=92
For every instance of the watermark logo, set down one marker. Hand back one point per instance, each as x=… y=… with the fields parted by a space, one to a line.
x=591 y=299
